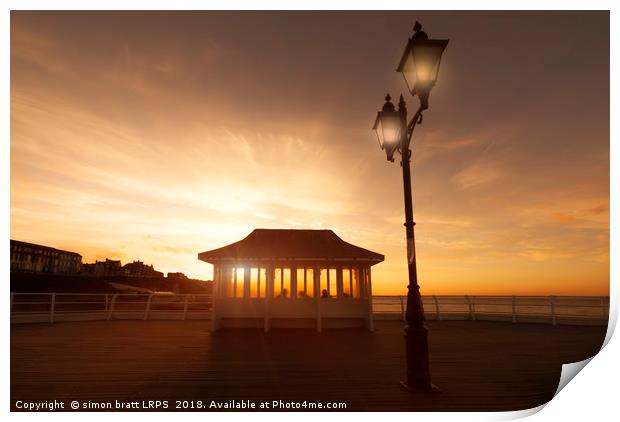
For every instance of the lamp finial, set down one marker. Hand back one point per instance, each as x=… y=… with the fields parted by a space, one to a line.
x=418 y=34
x=388 y=106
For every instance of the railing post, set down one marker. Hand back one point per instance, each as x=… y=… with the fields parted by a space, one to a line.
x=437 y=314
x=552 y=303
x=185 y=307
x=471 y=314
x=514 y=309
x=148 y=307
x=402 y=308
x=52 y=306
x=112 y=303
x=473 y=308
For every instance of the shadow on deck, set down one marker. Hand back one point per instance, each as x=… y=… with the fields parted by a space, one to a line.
x=480 y=366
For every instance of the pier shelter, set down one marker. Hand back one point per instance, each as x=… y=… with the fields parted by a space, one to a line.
x=280 y=278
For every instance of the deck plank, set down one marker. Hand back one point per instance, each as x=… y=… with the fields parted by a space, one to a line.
x=480 y=366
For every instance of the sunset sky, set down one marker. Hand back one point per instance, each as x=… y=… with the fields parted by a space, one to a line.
x=155 y=136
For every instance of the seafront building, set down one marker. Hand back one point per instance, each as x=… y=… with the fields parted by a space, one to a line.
x=39 y=259
x=177 y=276
x=114 y=268
x=140 y=269
x=32 y=258
x=292 y=278
x=107 y=268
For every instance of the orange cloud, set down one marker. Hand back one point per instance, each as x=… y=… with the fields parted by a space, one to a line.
x=563 y=218
x=168 y=135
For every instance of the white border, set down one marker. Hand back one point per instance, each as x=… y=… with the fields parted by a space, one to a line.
x=592 y=393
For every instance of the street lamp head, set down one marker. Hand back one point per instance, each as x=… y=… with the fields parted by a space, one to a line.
x=388 y=128
x=420 y=63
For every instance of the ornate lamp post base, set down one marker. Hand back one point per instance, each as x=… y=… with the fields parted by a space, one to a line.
x=430 y=389
x=416 y=346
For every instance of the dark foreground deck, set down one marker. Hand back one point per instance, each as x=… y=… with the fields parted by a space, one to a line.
x=481 y=366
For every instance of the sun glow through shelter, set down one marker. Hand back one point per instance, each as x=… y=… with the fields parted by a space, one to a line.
x=291 y=278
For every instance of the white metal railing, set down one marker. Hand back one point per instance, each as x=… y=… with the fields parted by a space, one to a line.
x=54 y=307
x=548 y=309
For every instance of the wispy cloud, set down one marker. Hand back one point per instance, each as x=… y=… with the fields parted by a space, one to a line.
x=168 y=136
x=478 y=174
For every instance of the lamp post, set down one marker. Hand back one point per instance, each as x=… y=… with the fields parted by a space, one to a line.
x=420 y=67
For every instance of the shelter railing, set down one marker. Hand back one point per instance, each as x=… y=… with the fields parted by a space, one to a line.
x=55 y=307
x=546 y=309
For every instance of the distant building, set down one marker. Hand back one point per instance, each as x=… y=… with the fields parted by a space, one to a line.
x=112 y=267
x=107 y=268
x=88 y=269
x=177 y=276
x=33 y=258
x=139 y=269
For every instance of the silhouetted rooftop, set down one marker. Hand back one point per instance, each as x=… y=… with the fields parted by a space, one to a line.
x=282 y=244
x=42 y=247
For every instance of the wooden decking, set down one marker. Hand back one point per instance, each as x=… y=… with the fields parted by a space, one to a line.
x=480 y=366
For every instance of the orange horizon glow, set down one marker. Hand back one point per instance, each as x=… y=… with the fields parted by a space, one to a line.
x=144 y=136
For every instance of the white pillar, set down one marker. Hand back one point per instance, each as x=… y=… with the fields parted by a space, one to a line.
x=339 y=288
x=258 y=281
x=371 y=322
x=235 y=280
x=293 y=292
x=219 y=272
x=317 y=297
x=246 y=282
x=328 y=287
x=268 y=292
